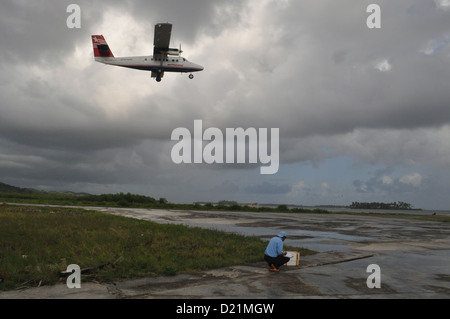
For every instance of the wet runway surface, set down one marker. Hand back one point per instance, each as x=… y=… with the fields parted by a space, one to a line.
x=413 y=257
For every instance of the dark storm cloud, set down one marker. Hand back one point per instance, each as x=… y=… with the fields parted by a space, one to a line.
x=341 y=88
x=35 y=34
x=189 y=17
x=311 y=68
x=36 y=31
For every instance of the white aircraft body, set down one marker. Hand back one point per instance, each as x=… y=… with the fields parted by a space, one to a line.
x=164 y=59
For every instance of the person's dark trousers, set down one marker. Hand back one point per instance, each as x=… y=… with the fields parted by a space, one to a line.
x=276 y=261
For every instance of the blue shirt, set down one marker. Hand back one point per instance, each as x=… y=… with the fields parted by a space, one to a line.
x=275 y=247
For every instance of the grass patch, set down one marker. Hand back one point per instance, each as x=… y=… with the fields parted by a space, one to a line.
x=37 y=243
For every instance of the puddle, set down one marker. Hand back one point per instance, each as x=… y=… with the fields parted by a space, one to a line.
x=315 y=240
x=320 y=247
x=330 y=235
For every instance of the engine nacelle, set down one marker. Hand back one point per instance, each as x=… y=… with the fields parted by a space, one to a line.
x=172 y=51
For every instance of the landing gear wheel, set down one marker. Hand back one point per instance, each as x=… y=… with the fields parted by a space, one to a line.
x=158 y=79
x=191 y=76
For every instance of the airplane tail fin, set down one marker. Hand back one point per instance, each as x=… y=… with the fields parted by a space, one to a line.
x=101 y=48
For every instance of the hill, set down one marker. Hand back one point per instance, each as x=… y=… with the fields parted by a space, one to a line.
x=15 y=194
x=8 y=189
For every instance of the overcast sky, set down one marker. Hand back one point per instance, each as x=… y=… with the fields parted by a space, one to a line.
x=363 y=114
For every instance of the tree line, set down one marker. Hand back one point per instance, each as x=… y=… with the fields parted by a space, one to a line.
x=377 y=205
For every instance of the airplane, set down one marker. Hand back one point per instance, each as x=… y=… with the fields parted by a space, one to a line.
x=164 y=59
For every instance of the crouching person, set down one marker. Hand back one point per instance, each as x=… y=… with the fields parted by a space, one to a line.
x=274 y=254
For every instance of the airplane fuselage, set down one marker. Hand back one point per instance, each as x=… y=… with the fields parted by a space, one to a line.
x=149 y=63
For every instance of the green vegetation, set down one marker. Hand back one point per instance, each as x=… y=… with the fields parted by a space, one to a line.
x=134 y=201
x=37 y=243
x=376 y=205
x=139 y=201
x=19 y=195
x=30 y=196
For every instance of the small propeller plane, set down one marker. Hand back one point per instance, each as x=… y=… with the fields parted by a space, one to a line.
x=164 y=59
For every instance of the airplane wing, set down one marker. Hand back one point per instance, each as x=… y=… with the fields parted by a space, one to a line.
x=162 y=39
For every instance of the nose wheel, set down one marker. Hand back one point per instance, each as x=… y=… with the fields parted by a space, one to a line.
x=191 y=76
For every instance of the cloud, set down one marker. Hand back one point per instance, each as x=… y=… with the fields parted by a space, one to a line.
x=383 y=65
x=387 y=180
x=394 y=186
x=298 y=188
x=414 y=179
x=333 y=87
x=443 y=4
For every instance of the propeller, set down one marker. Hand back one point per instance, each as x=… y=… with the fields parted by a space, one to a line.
x=180 y=51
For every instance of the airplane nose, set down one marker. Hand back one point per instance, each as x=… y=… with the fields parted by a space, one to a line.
x=199 y=67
